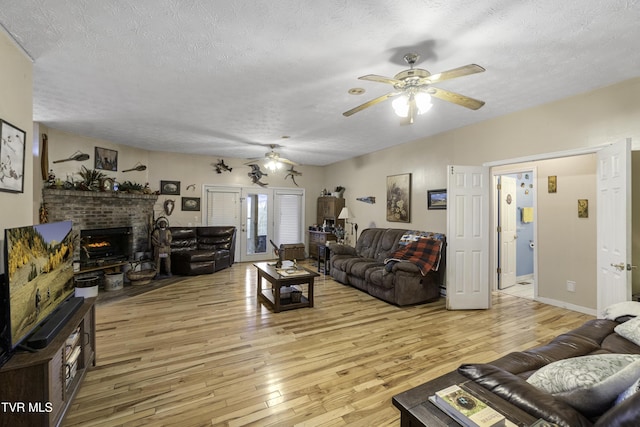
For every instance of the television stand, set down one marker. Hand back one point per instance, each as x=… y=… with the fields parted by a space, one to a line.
x=40 y=386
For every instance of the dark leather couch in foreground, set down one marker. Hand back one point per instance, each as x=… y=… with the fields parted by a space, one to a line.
x=507 y=376
x=202 y=250
x=400 y=283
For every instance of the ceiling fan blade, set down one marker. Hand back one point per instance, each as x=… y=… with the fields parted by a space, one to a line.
x=452 y=74
x=287 y=161
x=370 y=103
x=380 y=79
x=456 y=98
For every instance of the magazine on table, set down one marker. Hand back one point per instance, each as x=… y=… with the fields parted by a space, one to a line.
x=466 y=408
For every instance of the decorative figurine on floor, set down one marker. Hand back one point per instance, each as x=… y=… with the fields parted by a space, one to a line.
x=161 y=240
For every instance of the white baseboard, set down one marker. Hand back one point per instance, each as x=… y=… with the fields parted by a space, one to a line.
x=524 y=278
x=568 y=306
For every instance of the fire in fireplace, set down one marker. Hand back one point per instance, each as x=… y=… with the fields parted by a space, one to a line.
x=105 y=245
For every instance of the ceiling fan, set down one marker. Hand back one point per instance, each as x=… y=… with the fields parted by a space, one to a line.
x=272 y=160
x=413 y=89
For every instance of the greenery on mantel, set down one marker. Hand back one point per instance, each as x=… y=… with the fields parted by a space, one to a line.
x=94 y=181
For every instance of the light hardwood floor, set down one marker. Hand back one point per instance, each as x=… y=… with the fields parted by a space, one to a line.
x=201 y=352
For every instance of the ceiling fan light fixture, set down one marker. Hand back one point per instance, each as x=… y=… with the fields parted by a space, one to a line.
x=273 y=165
x=401 y=106
x=423 y=102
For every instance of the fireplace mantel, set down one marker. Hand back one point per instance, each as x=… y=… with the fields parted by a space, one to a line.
x=54 y=192
x=89 y=209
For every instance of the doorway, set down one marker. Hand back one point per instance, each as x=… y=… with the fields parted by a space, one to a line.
x=515 y=205
x=260 y=215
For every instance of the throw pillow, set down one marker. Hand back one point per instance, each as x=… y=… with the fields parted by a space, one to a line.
x=588 y=383
x=630 y=330
x=625 y=308
x=635 y=387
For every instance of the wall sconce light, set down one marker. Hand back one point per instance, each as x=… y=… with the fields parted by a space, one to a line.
x=77 y=156
x=138 y=167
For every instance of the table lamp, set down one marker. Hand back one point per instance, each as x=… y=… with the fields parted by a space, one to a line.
x=345 y=214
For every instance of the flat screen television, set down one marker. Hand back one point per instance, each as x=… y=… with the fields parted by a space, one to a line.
x=38 y=278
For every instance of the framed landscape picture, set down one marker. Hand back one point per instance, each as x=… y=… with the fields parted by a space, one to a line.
x=399 y=198
x=12 y=146
x=106 y=159
x=437 y=199
x=170 y=187
x=191 y=204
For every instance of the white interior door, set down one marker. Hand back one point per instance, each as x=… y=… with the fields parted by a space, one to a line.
x=507 y=232
x=614 y=224
x=468 y=238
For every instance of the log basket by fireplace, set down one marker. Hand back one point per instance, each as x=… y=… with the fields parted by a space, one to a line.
x=140 y=277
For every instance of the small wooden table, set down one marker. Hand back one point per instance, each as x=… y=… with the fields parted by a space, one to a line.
x=278 y=278
x=324 y=259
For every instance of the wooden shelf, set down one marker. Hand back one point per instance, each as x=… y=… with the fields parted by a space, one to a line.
x=39 y=379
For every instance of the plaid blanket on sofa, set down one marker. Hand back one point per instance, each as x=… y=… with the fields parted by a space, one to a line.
x=424 y=253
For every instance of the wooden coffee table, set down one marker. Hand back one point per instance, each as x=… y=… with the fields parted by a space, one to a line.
x=417 y=411
x=272 y=297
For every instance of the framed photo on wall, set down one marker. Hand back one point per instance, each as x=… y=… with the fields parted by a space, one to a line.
x=191 y=204
x=399 y=198
x=106 y=159
x=12 y=146
x=170 y=187
x=437 y=199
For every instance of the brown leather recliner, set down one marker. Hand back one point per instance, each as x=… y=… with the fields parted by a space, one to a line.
x=202 y=250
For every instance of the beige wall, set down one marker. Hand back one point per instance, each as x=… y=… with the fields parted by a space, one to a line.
x=186 y=168
x=16 y=107
x=586 y=120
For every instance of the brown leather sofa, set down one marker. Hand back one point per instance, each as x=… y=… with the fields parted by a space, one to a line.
x=507 y=376
x=202 y=250
x=400 y=283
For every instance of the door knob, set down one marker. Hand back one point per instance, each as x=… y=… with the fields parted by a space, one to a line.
x=631 y=267
x=618 y=267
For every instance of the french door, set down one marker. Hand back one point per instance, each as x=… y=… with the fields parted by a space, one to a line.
x=260 y=215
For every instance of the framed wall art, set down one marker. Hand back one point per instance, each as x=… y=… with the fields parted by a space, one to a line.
x=399 y=198
x=437 y=199
x=191 y=204
x=106 y=159
x=170 y=187
x=583 y=208
x=552 y=184
x=12 y=149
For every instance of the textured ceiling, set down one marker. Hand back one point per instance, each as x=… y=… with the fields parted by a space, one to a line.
x=230 y=77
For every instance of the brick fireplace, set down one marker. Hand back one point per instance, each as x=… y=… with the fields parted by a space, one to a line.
x=95 y=210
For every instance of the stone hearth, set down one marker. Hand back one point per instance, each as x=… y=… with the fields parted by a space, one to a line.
x=88 y=209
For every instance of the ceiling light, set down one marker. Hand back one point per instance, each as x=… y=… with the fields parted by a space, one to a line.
x=273 y=165
x=402 y=104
